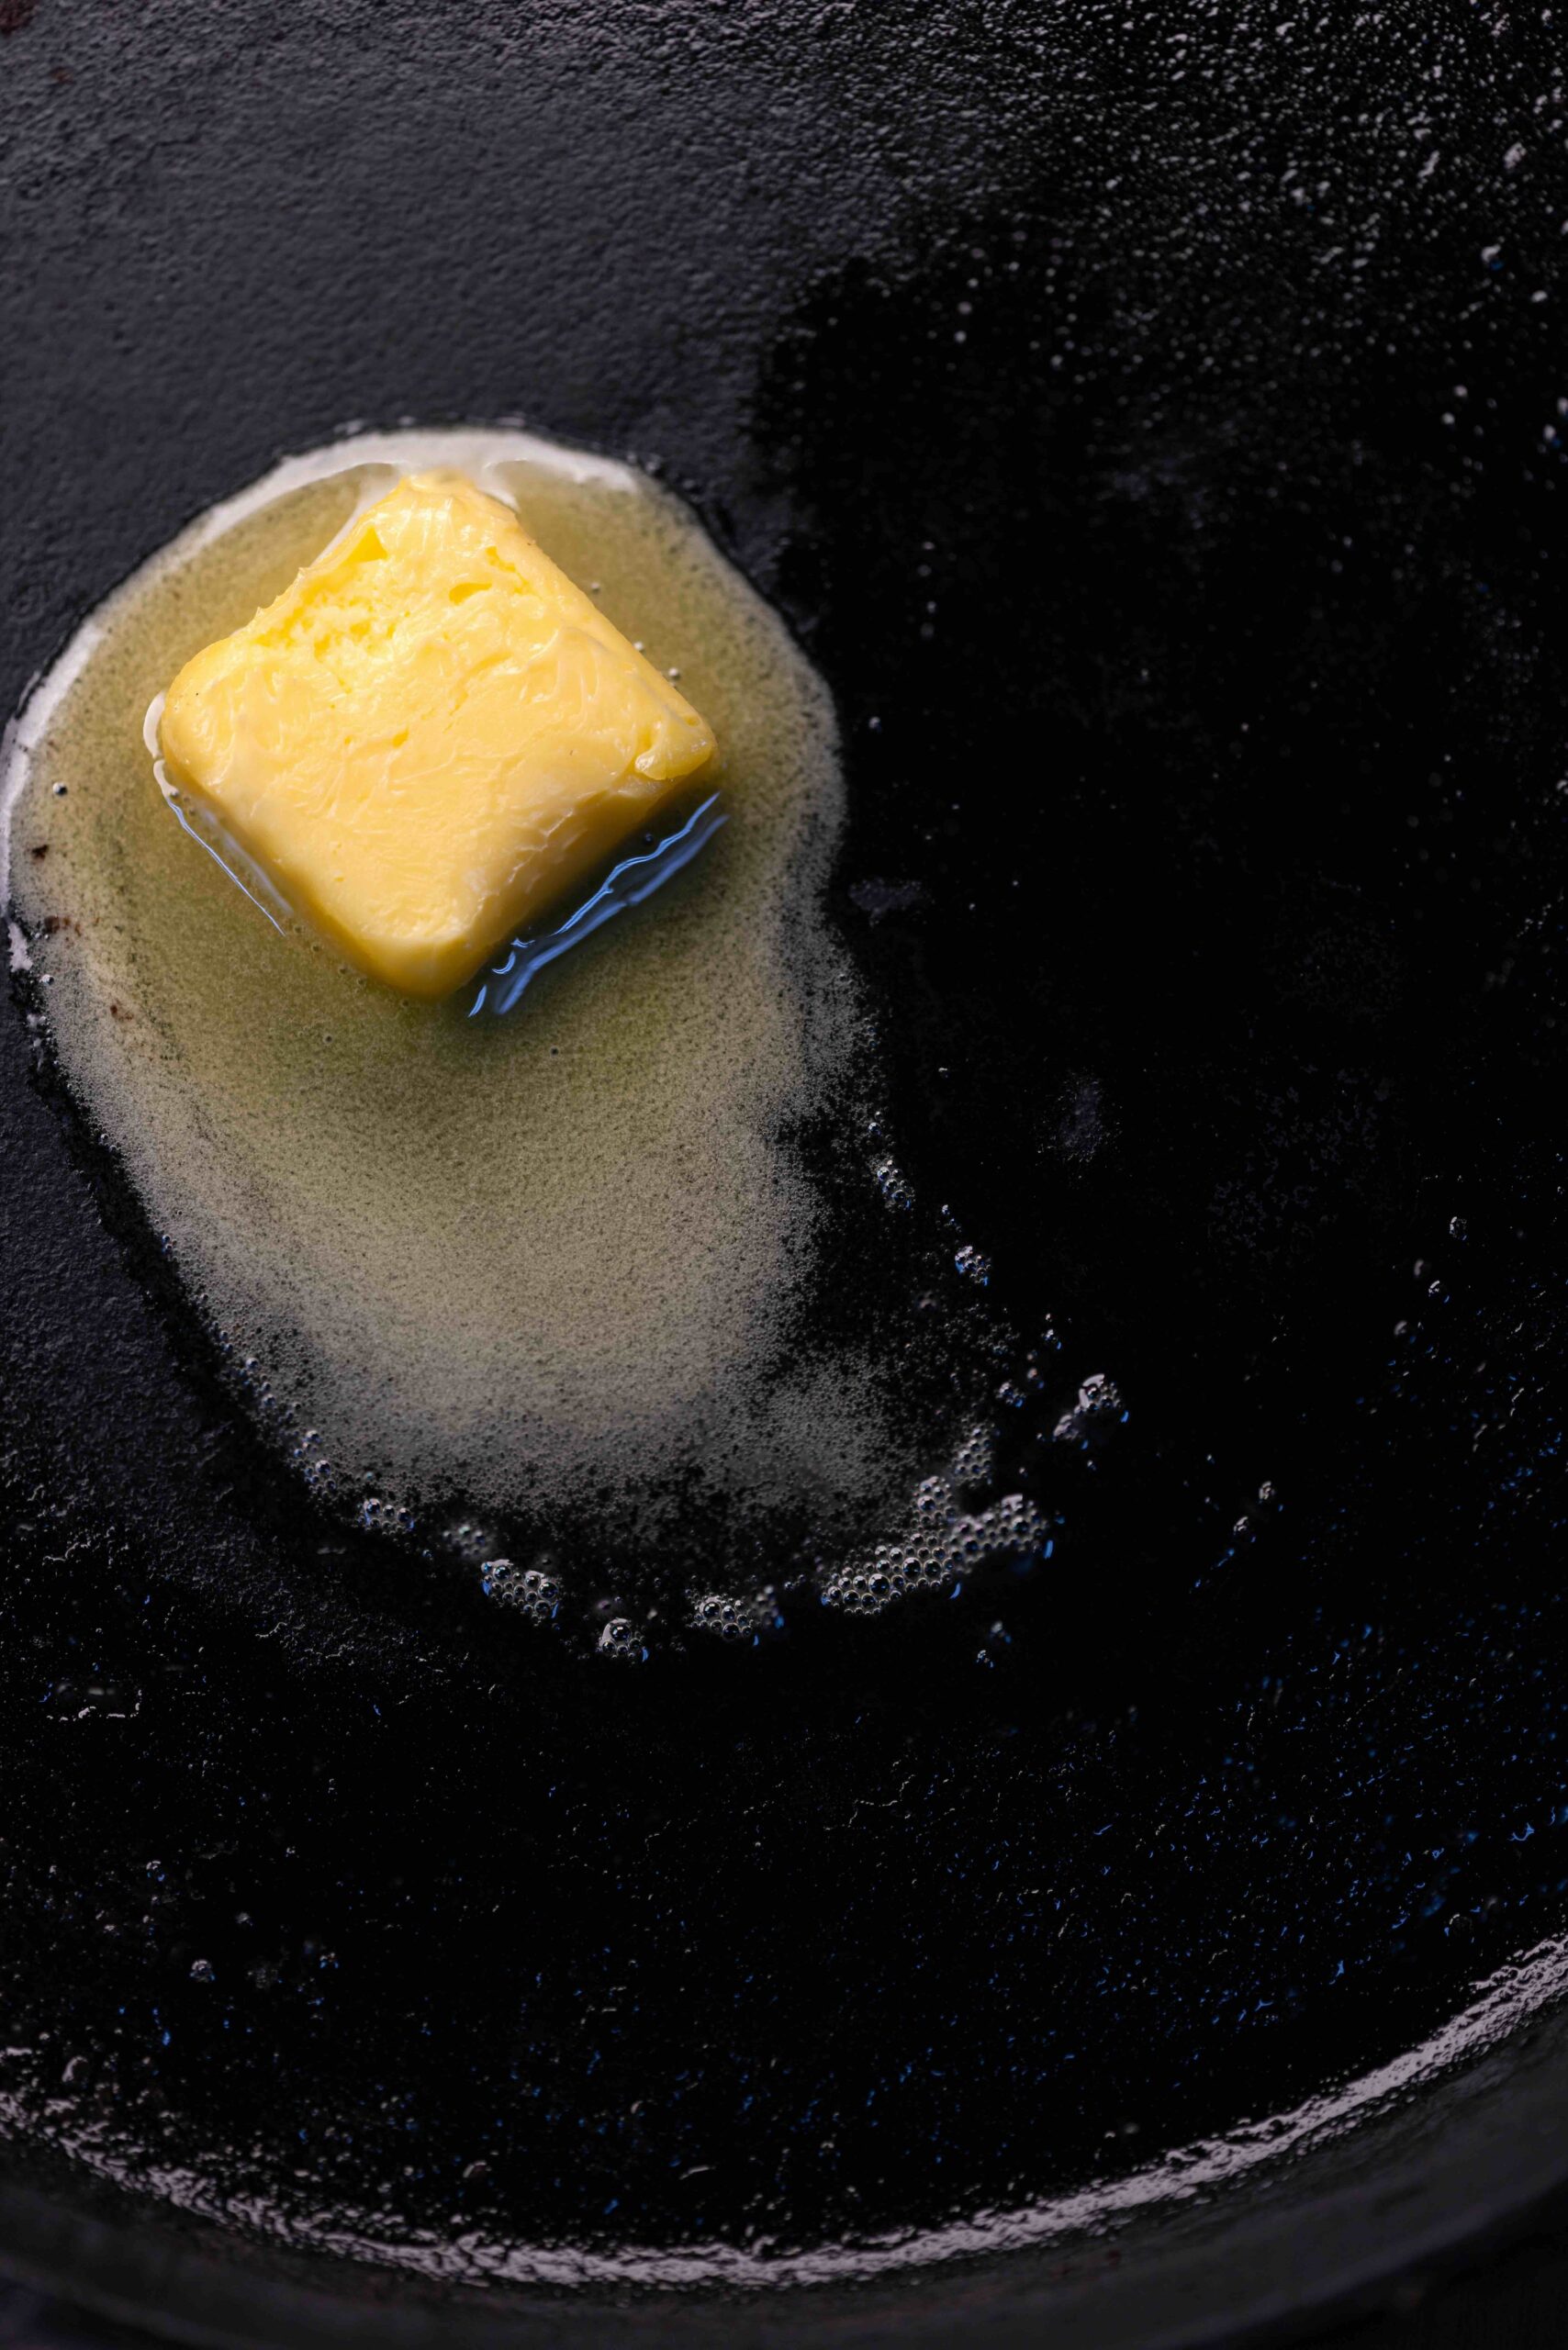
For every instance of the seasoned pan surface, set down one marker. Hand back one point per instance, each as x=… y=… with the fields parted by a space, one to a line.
x=1151 y=428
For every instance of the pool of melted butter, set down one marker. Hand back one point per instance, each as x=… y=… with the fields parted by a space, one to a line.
x=500 y=1259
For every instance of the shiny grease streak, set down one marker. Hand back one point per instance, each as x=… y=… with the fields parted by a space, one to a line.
x=463 y=1267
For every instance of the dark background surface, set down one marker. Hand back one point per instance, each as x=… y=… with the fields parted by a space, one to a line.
x=1512 y=2299
x=1151 y=424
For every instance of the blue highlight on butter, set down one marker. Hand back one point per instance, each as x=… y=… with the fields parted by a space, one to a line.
x=626 y=885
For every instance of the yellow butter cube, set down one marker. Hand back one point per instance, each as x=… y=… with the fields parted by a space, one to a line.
x=430 y=736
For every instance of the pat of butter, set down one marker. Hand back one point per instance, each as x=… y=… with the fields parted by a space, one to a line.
x=430 y=736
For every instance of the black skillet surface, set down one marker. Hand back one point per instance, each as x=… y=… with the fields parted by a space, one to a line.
x=1149 y=421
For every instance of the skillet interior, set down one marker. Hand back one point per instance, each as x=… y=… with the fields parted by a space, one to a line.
x=1154 y=430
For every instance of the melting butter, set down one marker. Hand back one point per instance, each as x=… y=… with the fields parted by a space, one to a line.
x=431 y=735
x=511 y=1260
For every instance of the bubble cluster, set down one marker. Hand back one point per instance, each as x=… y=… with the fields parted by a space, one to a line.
x=620 y=1639
x=534 y=1592
x=974 y=1463
x=1099 y=1405
x=469 y=1540
x=943 y=1543
x=735 y=1615
x=893 y=1184
x=376 y=1514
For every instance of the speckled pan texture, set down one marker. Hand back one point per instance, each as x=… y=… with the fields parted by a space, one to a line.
x=1116 y=1888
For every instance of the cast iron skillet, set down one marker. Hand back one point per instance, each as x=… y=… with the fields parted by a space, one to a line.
x=1149 y=421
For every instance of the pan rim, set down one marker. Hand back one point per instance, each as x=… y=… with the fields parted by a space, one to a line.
x=1420 y=2161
